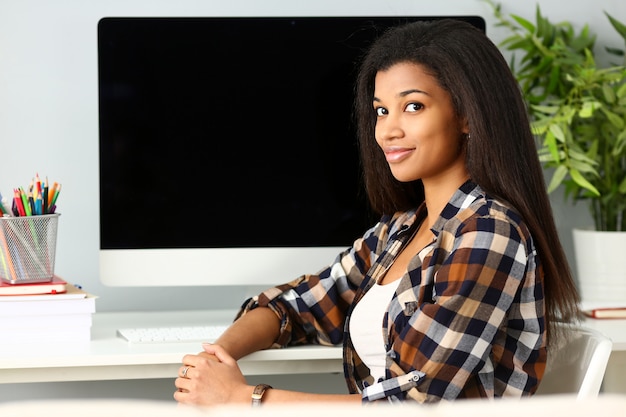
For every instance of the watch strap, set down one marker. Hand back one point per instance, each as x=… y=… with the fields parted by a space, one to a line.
x=257 y=394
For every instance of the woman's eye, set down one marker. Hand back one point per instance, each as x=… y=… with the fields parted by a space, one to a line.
x=413 y=107
x=380 y=111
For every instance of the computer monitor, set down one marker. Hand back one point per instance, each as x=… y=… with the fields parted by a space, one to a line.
x=227 y=150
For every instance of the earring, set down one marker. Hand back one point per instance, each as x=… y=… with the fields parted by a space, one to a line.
x=468 y=136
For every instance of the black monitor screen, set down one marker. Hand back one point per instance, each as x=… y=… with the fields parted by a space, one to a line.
x=231 y=132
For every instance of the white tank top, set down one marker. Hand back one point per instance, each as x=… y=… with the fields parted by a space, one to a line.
x=366 y=327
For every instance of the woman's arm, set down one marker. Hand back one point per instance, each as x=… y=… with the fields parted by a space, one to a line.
x=255 y=330
x=289 y=314
x=213 y=377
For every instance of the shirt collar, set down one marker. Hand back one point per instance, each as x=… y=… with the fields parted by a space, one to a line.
x=462 y=198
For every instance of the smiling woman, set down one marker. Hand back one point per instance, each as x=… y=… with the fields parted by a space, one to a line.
x=455 y=291
x=417 y=129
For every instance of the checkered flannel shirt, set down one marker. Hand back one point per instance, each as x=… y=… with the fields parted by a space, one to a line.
x=467 y=319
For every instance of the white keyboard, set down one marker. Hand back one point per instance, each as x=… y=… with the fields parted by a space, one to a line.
x=172 y=334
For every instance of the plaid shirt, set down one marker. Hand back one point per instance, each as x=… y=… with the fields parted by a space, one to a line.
x=467 y=319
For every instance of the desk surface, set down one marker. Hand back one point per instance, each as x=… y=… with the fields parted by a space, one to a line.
x=108 y=357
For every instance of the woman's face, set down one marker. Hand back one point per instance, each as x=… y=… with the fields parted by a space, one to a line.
x=416 y=126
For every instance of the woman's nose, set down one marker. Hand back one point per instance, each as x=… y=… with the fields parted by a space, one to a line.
x=389 y=129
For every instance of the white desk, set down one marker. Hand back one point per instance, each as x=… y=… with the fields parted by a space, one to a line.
x=108 y=357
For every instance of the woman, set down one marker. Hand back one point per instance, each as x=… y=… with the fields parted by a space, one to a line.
x=454 y=292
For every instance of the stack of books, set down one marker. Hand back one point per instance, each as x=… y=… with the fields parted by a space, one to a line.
x=49 y=312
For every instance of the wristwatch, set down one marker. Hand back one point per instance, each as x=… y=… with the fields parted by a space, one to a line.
x=257 y=394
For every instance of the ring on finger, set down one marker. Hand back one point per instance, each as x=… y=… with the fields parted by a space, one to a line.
x=185 y=369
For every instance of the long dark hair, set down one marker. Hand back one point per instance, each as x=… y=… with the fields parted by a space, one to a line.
x=501 y=151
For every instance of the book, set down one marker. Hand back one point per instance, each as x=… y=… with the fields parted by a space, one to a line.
x=47 y=328
x=73 y=301
x=48 y=321
x=55 y=286
x=70 y=292
x=606 y=313
x=64 y=317
x=35 y=308
x=46 y=335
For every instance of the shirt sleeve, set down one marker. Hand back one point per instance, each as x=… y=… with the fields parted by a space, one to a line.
x=313 y=307
x=479 y=319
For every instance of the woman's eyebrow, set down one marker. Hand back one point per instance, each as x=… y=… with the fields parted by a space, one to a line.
x=411 y=91
x=406 y=93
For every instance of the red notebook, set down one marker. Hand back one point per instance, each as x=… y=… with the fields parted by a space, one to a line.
x=607 y=313
x=56 y=286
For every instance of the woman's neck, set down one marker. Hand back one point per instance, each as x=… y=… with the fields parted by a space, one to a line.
x=438 y=193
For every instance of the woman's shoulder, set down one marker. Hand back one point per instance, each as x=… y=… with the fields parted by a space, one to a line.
x=497 y=208
x=494 y=216
x=473 y=206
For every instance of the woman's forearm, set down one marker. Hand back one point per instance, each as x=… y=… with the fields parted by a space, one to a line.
x=279 y=396
x=256 y=330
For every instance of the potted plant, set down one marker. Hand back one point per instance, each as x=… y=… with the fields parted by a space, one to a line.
x=578 y=113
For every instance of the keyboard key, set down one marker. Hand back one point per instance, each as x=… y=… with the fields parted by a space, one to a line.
x=172 y=334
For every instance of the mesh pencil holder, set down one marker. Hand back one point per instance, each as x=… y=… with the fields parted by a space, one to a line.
x=28 y=248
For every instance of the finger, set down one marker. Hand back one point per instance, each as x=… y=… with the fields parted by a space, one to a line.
x=219 y=353
x=210 y=348
x=207 y=356
x=182 y=385
x=190 y=359
x=195 y=360
x=184 y=371
x=181 y=395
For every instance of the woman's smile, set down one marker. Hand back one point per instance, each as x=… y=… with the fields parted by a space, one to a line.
x=397 y=153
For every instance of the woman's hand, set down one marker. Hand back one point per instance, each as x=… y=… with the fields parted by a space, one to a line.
x=211 y=377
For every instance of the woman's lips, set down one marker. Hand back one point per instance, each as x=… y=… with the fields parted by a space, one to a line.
x=397 y=154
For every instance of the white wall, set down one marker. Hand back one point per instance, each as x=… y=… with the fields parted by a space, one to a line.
x=49 y=115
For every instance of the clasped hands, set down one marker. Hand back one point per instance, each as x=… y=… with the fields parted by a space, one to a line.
x=211 y=377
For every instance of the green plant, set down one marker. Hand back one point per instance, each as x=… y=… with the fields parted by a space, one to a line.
x=577 y=110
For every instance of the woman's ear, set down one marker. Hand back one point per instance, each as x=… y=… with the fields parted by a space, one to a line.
x=465 y=126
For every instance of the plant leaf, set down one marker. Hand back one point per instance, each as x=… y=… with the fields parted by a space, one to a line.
x=614 y=119
x=526 y=24
x=579 y=156
x=557 y=178
x=557 y=132
x=617 y=25
x=582 y=182
x=550 y=143
x=587 y=109
x=582 y=167
x=609 y=93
